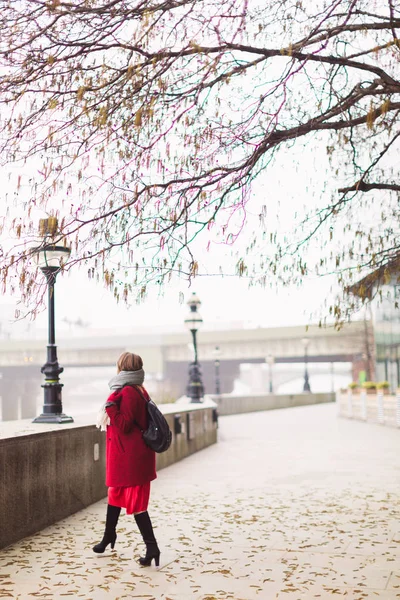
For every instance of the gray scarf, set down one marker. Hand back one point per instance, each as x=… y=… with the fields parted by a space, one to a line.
x=126 y=378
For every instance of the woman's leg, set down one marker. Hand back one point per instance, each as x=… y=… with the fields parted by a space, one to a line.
x=143 y=521
x=110 y=534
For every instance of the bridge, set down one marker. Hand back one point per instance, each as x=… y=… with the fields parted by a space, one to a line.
x=168 y=355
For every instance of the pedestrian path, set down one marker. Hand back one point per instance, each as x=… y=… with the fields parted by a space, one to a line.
x=290 y=504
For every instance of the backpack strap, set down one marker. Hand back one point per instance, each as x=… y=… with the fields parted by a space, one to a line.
x=141 y=395
x=140 y=392
x=136 y=387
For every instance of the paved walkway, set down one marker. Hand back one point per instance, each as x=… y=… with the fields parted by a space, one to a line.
x=291 y=504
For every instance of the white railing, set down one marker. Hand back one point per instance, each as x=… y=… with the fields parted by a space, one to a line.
x=374 y=406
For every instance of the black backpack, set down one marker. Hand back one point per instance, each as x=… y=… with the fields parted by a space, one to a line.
x=158 y=435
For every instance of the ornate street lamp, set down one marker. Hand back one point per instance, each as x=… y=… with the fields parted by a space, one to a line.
x=195 y=388
x=50 y=258
x=217 y=354
x=397 y=365
x=306 y=386
x=270 y=360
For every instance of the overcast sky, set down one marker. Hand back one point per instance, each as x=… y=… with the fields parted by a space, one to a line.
x=297 y=181
x=225 y=303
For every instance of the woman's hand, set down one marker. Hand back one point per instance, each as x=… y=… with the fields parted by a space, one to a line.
x=108 y=404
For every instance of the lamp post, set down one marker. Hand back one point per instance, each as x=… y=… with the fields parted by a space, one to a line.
x=217 y=354
x=270 y=360
x=306 y=386
x=195 y=388
x=50 y=258
x=397 y=366
x=387 y=358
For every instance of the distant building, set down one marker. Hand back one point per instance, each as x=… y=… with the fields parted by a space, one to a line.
x=382 y=289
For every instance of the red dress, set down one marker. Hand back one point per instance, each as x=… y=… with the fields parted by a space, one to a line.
x=135 y=498
x=130 y=463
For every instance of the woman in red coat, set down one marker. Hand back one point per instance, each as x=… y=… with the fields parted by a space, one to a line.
x=130 y=463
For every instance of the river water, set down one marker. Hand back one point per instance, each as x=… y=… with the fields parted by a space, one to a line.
x=86 y=388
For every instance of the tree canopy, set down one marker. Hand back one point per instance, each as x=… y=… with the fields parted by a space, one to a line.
x=144 y=126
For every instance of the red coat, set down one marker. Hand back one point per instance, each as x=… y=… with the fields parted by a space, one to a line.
x=128 y=460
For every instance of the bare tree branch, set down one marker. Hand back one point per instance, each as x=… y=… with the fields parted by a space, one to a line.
x=143 y=125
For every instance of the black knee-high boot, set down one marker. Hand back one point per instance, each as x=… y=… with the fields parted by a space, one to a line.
x=110 y=535
x=146 y=529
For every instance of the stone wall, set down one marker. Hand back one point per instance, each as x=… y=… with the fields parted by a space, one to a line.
x=48 y=472
x=232 y=405
x=374 y=407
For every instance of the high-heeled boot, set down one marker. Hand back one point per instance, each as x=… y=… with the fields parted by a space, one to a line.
x=110 y=535
x=146 y=529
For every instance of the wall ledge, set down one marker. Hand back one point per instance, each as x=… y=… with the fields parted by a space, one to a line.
x=25 y=427
x=56 y=469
